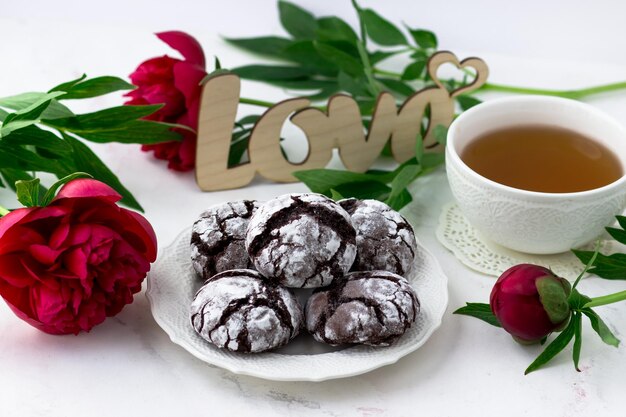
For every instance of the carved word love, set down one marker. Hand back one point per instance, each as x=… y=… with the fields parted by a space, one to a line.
x=339 y=127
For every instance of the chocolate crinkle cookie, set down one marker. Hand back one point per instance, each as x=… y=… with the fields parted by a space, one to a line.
x=241 y=311
x=385 y=240
x=369 y=307
x=301 y=240
x=218 y=238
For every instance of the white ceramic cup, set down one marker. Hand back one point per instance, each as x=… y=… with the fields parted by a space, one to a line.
x=529 y=221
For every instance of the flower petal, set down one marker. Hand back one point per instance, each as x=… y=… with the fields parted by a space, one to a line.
x=154 y=71
x=13 y=217
x=76 y=262
x=186 y=44
x=14 y=272
x=187 y=80
x=44 y=254
x=87 y=187
x=143 y=229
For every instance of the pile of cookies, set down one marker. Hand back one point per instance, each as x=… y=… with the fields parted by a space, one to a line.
x=249 y=253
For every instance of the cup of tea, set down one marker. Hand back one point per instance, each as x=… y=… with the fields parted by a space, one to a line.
x=537 y=174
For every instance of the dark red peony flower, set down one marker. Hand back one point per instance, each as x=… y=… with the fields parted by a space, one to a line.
x=65 y=267
x=175 y=83
x=530 y=302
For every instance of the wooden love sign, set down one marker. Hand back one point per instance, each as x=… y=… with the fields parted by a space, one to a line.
x=340 y=126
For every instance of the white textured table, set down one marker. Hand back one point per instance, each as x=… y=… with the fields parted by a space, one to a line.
x=129 y=367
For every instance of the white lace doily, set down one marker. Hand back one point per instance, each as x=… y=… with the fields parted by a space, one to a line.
x=482 y=255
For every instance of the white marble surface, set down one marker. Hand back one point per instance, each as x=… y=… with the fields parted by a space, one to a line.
x=128 y=366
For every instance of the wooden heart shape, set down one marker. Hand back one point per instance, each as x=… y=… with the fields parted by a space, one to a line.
x=446 y=57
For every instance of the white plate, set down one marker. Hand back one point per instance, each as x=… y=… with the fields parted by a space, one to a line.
x=172 y=285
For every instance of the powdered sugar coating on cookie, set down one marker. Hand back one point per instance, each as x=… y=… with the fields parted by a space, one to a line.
x=301 y=240
x=240 y=311
x=368 y=307
x=385 y=240
x=218 y=238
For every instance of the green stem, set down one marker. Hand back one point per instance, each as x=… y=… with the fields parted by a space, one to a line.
x=573 y=94
x=361 y=23
x=387 y=73
x=591 y=261
x=255 y=102
x=4 y=211
x=367 y=69
x=606 y=299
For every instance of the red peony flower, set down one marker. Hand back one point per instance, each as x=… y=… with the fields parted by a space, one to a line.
x=65 y=267
x=175 y=83
x=530 y=302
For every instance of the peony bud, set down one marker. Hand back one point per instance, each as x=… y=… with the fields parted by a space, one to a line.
x=530 y=302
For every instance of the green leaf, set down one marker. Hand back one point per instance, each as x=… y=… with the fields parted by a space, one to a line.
x=480 y=311
x=11 y=176
x=378 y=56
x=40 y=139
x=399 y=200
x=440 y=132
x=324 y=94
x=366 y=107
x=335 y=195
x=297 y=22
x=265 y=45
x=622 y=222
x=576 y=300
x=424 y=38
x=343 y=54
x=25 y=159
x=397 y=86
x=432 y=160
x=600 y=327
x=306 y=84
x=467 y=102
x=24 y=100
x=7 y=128
x=28 y=192
x=355 y=86
x=50 y=194
x=103 y=119
x=617 y=234
x=331 y=28
x=139 y=131
x=238 y=146
x=414 y=70
x=307 y=56
x=28 y=115
x=248 y=120
x=273 y=72
x=87 y=161
x=322 y=180
x=381 y=30
x=404 y=178
x=419 y=149
x=578 y=339
x=68 y=84
x=362 y=190
x=118 y=124
x=554 y=348
x=608 y=267
x=94 y=87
